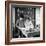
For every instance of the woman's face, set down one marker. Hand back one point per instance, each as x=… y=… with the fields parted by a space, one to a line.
x=21 y=18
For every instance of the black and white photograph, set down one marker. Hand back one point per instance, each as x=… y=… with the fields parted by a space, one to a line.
x=25 y=22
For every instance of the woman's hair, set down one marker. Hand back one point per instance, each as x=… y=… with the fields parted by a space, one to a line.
x=21 y=15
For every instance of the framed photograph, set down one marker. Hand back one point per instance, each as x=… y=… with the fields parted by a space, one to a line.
x=24 y=22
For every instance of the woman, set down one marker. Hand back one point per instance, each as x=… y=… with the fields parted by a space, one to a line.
x=20 y=26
